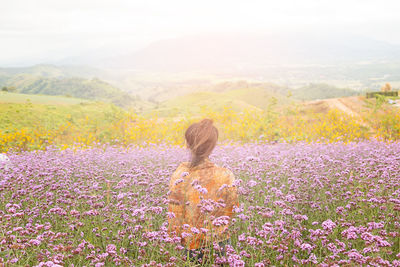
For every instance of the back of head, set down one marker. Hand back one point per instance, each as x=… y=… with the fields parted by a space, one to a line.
x=201 y=139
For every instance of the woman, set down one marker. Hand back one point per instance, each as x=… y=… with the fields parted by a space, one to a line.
x=202 y=195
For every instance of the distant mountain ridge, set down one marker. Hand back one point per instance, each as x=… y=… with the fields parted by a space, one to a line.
x=255 y=51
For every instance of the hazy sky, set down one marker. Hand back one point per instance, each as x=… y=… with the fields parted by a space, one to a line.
x=35 y=31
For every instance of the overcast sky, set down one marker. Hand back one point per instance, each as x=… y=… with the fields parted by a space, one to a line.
x=35 y=31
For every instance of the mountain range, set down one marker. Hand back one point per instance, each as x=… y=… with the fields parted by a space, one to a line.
x=246 y=52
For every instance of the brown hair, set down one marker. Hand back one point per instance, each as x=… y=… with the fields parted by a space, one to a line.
x=201 y=138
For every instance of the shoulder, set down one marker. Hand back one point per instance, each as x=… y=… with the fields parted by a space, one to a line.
x=183 y=167
x=224 y=174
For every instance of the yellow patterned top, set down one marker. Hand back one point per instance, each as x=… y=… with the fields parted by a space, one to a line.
x=201 y=201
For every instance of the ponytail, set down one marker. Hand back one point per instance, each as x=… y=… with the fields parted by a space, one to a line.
x=201 y=139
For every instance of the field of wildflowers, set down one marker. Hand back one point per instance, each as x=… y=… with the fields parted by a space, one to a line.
x=300 y=204
x=83 y=126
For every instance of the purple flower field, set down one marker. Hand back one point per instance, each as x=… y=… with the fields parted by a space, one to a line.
x=301 y=204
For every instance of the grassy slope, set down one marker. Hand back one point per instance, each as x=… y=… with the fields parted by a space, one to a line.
x=258 y=97
x=93 y=89
x=6 y=97
x=51 y=115
x=322 y=91
x=193 y=103
x=238 y=100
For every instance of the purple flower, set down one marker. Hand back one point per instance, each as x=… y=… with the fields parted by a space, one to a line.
x=60 y=206
x=220 y=221
x=201 y=189
x=195 y=230
x=171 y=215
x=252 y=183
x=178 y=181
x=328 y=225
x=111 y=249
x=306 y=247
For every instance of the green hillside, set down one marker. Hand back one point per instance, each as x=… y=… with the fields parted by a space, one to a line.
x=315 y=91
x=256 y=99
x=194 y=102
x=163 y=96
x=16 y=116
x=7 y=97
x=92 y=89
x=259 y=97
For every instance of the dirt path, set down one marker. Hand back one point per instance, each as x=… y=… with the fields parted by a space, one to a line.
x=353 y=106
x=339 y=104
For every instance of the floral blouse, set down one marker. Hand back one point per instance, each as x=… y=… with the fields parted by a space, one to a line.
x=201 y=202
